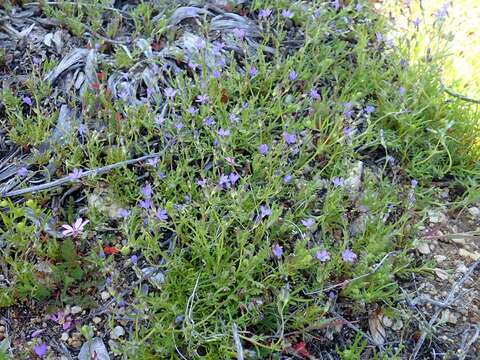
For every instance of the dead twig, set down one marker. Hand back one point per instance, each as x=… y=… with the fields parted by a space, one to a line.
x=469 y=343
x=69 y=180
x=238 y=344
x=346 y=282
x=450 y=298
x=469 y=235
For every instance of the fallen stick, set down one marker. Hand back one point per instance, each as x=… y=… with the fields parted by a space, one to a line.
x=447 y=302
x=68 y=179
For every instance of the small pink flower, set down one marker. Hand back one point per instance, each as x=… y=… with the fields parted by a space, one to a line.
x=75 y=229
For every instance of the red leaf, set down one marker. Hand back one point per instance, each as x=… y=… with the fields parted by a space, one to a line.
x=95 y=86
x=110 y=250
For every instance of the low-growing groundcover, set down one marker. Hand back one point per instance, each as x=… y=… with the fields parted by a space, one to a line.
x=292 y=148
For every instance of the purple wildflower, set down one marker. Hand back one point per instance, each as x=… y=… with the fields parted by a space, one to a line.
x=245 y=105
x=193 y=66
x=170 y=93
x=124 y=213
x=178 y=125
x=153 y=161
x=292 y=75
x=277 y=251
x=369 y=109
x=347 y=131
x=224 y=180
x=218 y=47
x=265 y=211
x=223 y=132
x=336 y=4
x=414 y=183
x=134 y=259
x=401 y=90
x=379 y=36
x=145 y=204
x=308 y=223
x=233 y=118
x=289 y=138
x=37 y=332
x=101 y=254
x=217 y=75
x=322 y=255
x=403 y=63
x=161 y=175
x=22 y=172
x=159 y=120
x=442 y=12
x=146 y=191
x=239 y=33
x=416 y=22
x=349 y=256
x=192 y=110
x=337 y=181
x=202 y=182
x=121 y=303
x=208 y=121
x=40 y=350
x=199 y=43
x=348 y=110
x=314 y=95
x=253 y=71
x=358 y=7
x=202 y=99
x=265 y=13
x=287 y=14
x=263 y=148
x=287 y=179
x=27 y=100
x=317 y=12
x=75 y=174
x=161 y=214
x=233 y=178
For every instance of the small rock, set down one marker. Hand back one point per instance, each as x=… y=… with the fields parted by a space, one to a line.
x=462 y=268
x=64 y=337
x=458 y=240
x=397 y=325
x=467 y=254
x=436 y=216
x=76 y=310
x=474 y=211
x=105 y=295
x=117 y=332
x=423 y=248
x=440 y=258
x=97 y=320
x=387 y=322
x=449 y=316
x=94 y=349
x=442 y=274
x=354 y=180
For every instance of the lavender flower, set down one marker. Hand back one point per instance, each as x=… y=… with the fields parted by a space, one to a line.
x=369 y=109
x=414 y=183
x=292 y=75
x=317 y=12
x=202 y=182
x=146 y=191
x=253 y=71
x=336 y=4
x=101 y=254
x=218 y=47
x=145 y=204
x=308 y=223
x=159 y=120
x=208 y=121
x=224 y=180
x=265 y=13
x=134 y=259
x=199 y=43
x=217 y=75
x=277 y=251
x=233 y=177
x=245 y=105
x=401 y=90
x=289 y=138
x=337 y=181
x=239 y=33
x=442 y=12
x=26 y=100
x=161 y=214
x=379 y=36
x=193 y=66
x=358 y=7
x=416 y=22
x=348 y=110
x=263 y=148
x=233 y=118
x=314 y=95
x=287 y=14
x=347 y=131
x=170 y=93
x=192 y=110
x=223 y=132
x=22 y=172
x=202 y=99
x=37 y=333
x=124 y=213
x=161 y=175
x=40 y=350
x=265 y=211
x=153 y=161
x=287 y=179
x=349 y=256
x=178 y=125
x=75 y=174
x=403 y=63
x=322 y=255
